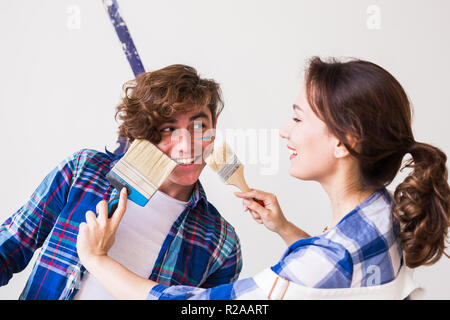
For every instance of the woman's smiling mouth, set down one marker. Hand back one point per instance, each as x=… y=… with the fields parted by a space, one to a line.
x=294 y=153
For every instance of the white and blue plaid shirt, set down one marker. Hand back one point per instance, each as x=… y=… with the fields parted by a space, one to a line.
x=361 y=250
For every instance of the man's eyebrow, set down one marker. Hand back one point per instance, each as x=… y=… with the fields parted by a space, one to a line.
x=195 y=116
x=173 y=120
x=199 y=115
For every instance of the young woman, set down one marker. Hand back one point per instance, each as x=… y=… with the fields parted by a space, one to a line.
x=350 y=130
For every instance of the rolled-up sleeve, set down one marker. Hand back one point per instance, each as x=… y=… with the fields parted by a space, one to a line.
x=244 y=289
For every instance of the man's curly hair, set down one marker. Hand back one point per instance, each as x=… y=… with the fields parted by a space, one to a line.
x=154 y=97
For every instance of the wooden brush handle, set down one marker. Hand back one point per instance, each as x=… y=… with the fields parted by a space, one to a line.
x=237 y=179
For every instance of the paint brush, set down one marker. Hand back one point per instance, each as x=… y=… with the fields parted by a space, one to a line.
x=227 y=165
x=142 y=170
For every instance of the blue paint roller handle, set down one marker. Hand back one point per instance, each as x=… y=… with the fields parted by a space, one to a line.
x=121 y=28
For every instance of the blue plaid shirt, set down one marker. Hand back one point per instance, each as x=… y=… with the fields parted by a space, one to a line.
x=361 y=250
x=201 y=249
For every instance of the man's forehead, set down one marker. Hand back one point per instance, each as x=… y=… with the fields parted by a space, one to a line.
x=191 y=114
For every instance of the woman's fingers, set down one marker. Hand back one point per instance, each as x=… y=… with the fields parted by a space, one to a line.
x=91 y=220
x=82 y=228
x=96 y=235
x=251 y=194
x=102 y=212
x=263 y=197
x=255 y=215
x=255 y=208
x=269 y=213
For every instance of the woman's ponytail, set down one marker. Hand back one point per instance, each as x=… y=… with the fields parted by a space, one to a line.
x=423 y=206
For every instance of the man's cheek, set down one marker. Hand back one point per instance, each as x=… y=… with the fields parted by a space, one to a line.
x=164 y=146
x=201 y=152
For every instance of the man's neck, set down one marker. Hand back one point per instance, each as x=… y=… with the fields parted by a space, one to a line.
x=176 y=191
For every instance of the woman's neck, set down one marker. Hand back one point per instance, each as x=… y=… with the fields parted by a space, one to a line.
x=344 y=201
x=345 y=193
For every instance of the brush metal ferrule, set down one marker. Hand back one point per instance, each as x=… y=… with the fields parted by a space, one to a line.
x=229 y=168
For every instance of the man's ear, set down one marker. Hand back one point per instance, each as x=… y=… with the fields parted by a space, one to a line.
x=214 y=129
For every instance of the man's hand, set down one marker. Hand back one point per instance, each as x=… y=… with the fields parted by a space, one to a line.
x=97 y=234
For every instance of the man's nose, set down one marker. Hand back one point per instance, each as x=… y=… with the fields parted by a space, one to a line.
x=182 y=143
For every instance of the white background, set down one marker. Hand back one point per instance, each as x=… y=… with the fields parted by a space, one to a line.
x=62 y=68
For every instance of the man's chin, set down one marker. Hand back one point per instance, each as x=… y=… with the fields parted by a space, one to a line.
x=185 y=176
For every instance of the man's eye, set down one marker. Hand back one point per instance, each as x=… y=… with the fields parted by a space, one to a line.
x=198 y=125
x=168 y=129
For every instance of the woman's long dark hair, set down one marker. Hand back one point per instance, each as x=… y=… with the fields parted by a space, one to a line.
x=360 y=101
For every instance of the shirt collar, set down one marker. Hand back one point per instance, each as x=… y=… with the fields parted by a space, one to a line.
x=114 y=157
x=198 y=195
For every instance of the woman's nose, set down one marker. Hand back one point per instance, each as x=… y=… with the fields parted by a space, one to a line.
x=285 y=131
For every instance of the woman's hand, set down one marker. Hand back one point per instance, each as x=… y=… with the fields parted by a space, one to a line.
x=271 y=215
x=97 y=234
x=95 y=238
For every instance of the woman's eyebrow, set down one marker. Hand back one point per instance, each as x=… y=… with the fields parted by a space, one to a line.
x=297 y=107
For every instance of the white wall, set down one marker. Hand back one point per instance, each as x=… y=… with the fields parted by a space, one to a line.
x=61 y=76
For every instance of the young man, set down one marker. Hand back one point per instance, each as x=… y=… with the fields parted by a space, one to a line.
x=177 y=238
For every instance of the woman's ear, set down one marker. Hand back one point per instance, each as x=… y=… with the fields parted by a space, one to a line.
x=340 y=150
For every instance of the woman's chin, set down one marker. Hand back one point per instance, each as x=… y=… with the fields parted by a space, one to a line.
x=297 y=174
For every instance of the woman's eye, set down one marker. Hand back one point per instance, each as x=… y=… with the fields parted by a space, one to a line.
x=296 y=119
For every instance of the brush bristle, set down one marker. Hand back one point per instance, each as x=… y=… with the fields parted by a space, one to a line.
x=223 y=161
x=144 y=167
x=219 y=157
